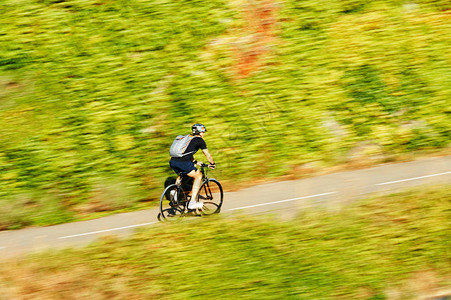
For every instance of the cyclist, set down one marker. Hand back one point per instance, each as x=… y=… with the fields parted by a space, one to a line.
x=186 y=164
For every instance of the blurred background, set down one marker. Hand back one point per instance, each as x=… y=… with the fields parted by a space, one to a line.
x=93 y=92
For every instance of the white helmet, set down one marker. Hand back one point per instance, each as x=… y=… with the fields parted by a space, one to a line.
x=198 y=128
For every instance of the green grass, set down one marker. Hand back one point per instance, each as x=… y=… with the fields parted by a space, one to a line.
x=93 y=92
x=384 y=247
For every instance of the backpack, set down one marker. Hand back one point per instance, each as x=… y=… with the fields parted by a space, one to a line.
x=179 y=145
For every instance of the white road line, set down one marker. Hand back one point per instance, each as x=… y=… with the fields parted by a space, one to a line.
x=281 y=201
x=414 y=178
x=106 y=230
x=144 y=224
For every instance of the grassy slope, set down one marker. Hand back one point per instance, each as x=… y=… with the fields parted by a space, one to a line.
x=94 y=91
x=389 y=247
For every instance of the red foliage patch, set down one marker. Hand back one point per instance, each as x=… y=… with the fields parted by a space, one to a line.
x=260 y=26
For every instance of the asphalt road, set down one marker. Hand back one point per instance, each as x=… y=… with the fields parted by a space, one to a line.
x=284 y=199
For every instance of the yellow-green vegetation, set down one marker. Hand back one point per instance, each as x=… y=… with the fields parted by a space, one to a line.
x=92 y=92
x=384 y=247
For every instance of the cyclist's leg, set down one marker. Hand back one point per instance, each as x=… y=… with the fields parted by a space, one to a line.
x=188 y=168
x=197 y=175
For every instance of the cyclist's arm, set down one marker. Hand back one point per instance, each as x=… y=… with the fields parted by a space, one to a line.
x=199 y=163
x=208 y=156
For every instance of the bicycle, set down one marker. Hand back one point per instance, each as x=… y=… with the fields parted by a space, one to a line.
x=174 y=200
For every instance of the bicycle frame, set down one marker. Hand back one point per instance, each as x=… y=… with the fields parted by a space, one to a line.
x=204 y=176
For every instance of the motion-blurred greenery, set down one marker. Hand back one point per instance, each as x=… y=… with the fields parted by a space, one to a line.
x=94 y=91
x=386 y=247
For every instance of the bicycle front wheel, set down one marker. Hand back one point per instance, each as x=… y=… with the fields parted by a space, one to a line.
x=211 y=195
x=172 y=203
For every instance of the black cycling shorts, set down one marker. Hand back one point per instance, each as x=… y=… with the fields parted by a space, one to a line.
x=183 y=167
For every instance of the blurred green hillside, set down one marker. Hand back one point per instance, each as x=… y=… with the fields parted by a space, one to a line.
x=93 y=92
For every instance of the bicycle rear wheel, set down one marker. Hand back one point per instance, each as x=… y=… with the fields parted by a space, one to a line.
x=172 y=203
x=211 y=195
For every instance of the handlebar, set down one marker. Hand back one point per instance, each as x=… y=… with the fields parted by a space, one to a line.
x=203 y=165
